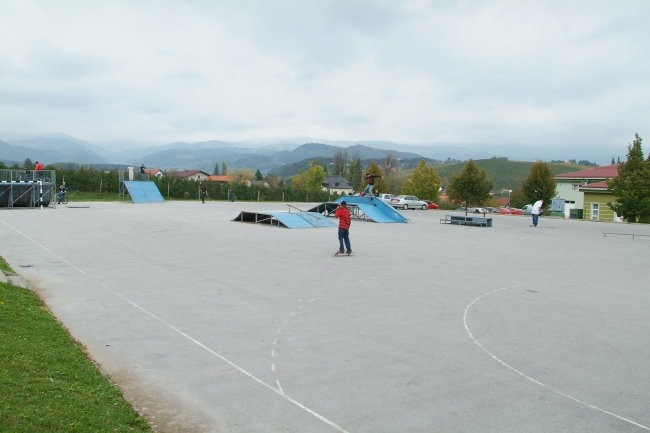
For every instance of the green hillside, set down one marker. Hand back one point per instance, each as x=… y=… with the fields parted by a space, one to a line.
x=503 y=173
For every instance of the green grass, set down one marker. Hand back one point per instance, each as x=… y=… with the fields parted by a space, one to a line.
x=47 y=383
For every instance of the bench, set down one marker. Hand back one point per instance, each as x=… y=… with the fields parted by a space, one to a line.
x=467 y=220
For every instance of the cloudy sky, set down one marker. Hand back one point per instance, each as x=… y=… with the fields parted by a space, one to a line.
x=566 y=72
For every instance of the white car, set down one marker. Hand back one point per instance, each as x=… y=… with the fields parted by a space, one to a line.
x=386 y=198
x=408 y=202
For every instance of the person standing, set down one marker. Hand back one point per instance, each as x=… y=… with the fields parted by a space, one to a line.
x=345 y=219
x=204 y=193
x=143 y=174
x=38 y=171
x=536 y=211
x=370 y=178
x=61 y=195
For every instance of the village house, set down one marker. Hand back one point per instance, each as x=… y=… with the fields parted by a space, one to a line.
x=337 y=185
x=580 y=190
x=197 y=175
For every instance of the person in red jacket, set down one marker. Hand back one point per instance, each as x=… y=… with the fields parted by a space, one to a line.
x=345 y=219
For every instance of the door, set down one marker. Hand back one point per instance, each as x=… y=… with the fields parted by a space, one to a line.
x=595 y=208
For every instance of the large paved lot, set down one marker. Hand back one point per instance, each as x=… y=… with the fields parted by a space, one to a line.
x=211 y=325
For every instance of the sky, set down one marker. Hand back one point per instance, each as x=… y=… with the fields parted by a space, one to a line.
x=479 y=73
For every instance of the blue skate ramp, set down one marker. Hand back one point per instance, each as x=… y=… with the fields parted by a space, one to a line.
x=290 y=220
x=143 y=191
x=365 y=208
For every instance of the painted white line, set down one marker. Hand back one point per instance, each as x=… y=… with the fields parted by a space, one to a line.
x=277 y=382
x=533 y=380
x=251 y=376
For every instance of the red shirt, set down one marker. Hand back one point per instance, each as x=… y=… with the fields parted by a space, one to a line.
x=343 y=214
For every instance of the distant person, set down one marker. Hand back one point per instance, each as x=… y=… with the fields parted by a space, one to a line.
x=38 y=171
x=536 y=211
x=231 y=196
x=203 y=193
x=345 y=219
x=61 y=195
x=143 y=175
x=370 y=178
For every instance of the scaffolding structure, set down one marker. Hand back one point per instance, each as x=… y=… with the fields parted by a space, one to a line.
x=27 y=188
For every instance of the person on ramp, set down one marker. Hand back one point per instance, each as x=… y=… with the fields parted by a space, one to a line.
x=343 y=214
x=370 y=178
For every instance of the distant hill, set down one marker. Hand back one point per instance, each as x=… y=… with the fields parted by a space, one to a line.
x=51 y=148
x=503 y=173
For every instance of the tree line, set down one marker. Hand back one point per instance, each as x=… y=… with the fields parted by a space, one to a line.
x=469 y=187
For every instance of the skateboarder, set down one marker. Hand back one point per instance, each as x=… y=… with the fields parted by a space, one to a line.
x=370 y=178
x=343 y=214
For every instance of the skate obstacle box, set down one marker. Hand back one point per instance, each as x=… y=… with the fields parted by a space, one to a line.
x=143 y=191
x=297 y=219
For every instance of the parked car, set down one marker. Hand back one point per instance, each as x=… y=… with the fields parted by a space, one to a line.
x=386 y=198
x=408 y=202
x=527 y=210
x=471 y=209
x=431 y=205
x=515 y=211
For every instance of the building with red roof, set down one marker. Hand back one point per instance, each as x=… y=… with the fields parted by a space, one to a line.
x=587 y=190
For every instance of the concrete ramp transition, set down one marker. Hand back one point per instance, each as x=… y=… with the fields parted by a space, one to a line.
x=364 y=208
x=143 y=191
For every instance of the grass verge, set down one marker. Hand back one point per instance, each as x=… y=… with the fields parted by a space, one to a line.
x=47 y=383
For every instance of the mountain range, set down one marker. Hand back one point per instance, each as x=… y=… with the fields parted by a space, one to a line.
x=267 y=157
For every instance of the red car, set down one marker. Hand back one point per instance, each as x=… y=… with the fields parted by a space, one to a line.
x=509 y=211
x=431 y=205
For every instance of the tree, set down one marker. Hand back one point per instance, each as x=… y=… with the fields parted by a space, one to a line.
x=539 y=184
x=355 y=177
x=340 y=164
x=315 y=176
x=632 y=186
x=310 y=180
x=470 y=186
x=390 y=164
x=215 y=171
x=28 y=164
x=224 y=168
x=243 y=176
x=258 y=175
x=424 y=183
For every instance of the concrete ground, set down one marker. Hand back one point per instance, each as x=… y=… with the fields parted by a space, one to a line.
x=210 y=325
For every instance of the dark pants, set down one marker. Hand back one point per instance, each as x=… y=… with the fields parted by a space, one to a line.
x=344 y=238
x=535 y=219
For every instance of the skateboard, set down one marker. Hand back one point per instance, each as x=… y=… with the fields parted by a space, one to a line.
x=338 y=253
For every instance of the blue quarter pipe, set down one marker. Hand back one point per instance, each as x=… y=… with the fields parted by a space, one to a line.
x=143 y=191
x=372 y=209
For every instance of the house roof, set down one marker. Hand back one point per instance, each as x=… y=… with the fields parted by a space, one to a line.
x=219 y=178
x=596 y=185
x=336 y=182
x=188 y=173
x=604 y=172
